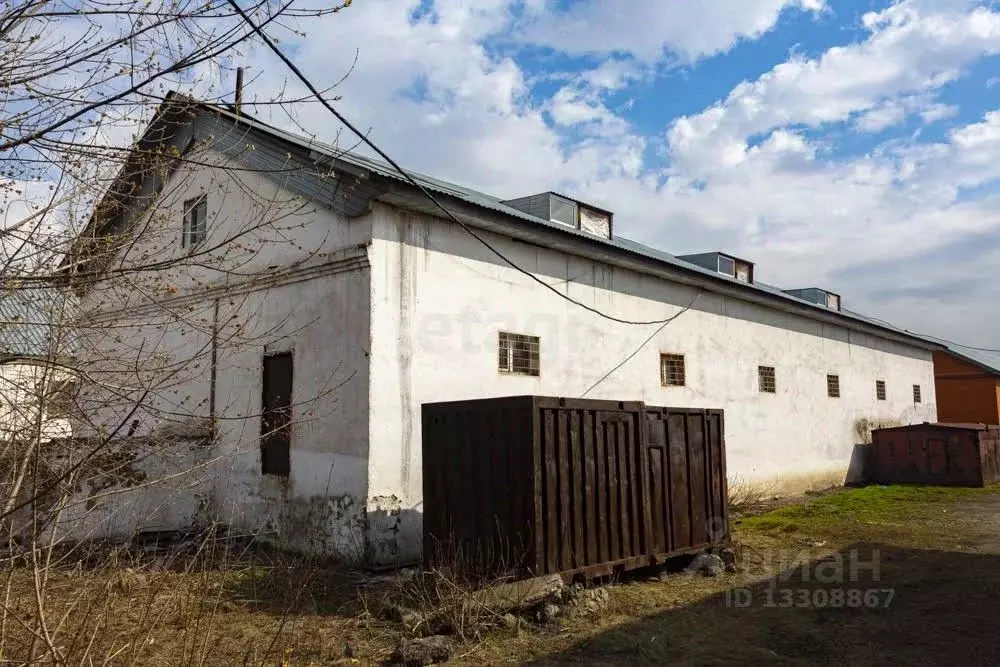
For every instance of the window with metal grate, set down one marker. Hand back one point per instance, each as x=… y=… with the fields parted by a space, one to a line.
x=833 y=386
x=672 y=370
x=766 y=379
x=518 y=354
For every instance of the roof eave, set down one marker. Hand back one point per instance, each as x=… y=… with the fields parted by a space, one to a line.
x=969 y=360
x=402 y=195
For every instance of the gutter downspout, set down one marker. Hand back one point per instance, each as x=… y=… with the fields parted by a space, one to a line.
x=214 y=374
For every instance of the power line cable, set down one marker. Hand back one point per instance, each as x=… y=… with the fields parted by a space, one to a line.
x=364 y=138
x=953 y=343
x=451 y=216
x=923 y=335
x=641 y=345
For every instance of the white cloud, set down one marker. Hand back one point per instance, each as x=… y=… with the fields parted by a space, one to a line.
x=582 y=100
x=909 y=52
x=935 y=112
x=691 y=29
x=743 y=175
x=880 y=118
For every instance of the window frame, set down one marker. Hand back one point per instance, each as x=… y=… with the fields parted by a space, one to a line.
x=762 y=379
x=276 y=442
x=832 y=385
x=672 y=357
x=506 y=361
x=730 y=262
x=881 y=394
x=194 y=231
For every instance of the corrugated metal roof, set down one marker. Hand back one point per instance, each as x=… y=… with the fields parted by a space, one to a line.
x=495 y=204
x=26 y=320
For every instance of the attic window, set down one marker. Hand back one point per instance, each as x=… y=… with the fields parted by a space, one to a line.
x=735 y=268
x=595 y=222
x=727 y=265
x=563 y=210
x=880 y=390
x=744 y=272
x=817 y=296
x=195 y=221
x=916 y=393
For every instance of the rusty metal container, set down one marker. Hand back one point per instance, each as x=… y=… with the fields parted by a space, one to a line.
x=543 y=485
x=937 y=454
x=688 y=495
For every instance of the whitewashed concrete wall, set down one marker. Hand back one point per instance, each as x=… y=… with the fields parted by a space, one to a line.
x=320 y=507
x=393 y=310
x=299 y=282
x=132 y=484
x=21 y=402
x=440 y=298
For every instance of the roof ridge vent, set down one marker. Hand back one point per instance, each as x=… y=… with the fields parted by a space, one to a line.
x=727 y=265
x=820 y=297
x=566 y=211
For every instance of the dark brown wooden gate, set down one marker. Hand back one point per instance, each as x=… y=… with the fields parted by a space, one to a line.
x=551 y=485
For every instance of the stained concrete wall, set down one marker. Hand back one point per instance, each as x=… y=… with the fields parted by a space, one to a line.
x=394 y=309
x=440 y=299
x=277 y=274
x=150 y=484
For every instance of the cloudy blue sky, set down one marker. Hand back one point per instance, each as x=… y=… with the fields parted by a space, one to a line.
x=848 y=144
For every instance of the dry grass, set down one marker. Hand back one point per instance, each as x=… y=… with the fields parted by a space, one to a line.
x=749 y=498
x=242 y=605
x=221 y=603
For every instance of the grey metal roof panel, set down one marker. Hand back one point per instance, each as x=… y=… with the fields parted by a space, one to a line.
x=26 y=321
x=495 y=204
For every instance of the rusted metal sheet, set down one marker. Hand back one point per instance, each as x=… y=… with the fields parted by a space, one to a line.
x=937 y=454
x=686 y=458
x=548 y=485
x=989 y=455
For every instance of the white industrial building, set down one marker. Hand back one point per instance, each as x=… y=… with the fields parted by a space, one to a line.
x=363 y=302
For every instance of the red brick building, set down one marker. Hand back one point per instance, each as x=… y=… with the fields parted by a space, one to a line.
x=968 y=387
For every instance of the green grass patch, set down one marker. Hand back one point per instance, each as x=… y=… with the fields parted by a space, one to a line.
x=876 y=505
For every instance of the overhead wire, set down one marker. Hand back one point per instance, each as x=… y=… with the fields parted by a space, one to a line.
x=641 y=346
x=928 y=336
x=427 y=193
x=447 y=212
x=952 y=343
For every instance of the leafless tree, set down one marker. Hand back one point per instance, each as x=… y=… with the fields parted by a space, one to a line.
x=111 y=309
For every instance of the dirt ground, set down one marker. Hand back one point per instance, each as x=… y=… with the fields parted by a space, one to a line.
x=927 y=596
x=882 y=574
